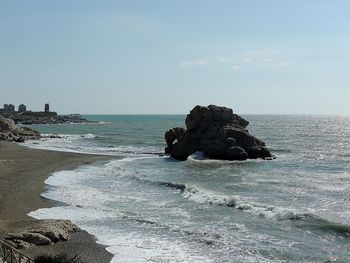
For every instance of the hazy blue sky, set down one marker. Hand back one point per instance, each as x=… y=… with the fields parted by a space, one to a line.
x=268 y=56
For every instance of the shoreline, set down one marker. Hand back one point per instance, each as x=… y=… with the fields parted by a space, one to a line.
x=23 y=171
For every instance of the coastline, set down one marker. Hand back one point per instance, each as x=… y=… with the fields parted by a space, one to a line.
x=22 y=174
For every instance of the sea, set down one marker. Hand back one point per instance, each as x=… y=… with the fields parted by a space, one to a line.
x=147 y=207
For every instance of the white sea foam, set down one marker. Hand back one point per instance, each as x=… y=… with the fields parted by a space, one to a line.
x=206 y=197
x=132 y=150
x=201 y=158
x=130 y=246
x=89 y=136
x=83 y=143
x=63 y=143
x=121 y=168
x=198 y=156
x=88 y=207
x=68 y=136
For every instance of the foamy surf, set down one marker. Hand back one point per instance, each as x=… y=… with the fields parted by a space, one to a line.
x=202 y=196
x=88 y=207
x=87 y=144
x=200 y=158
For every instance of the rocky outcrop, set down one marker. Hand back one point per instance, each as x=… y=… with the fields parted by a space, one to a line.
x=9 y=131
x=30 y=117
x=40 y=233
x=218 y=133
x=27 y=133
x=6 y=125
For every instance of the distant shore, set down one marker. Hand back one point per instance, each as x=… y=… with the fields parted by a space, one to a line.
x=22 y=175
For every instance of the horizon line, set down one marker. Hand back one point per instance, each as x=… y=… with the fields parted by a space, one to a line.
x=290 y=114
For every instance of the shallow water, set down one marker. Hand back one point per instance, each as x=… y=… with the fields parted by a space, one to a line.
x=146 y=207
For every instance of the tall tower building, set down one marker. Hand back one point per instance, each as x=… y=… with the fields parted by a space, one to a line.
x=22 y=108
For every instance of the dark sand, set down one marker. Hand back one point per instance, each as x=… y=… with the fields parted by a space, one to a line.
x=22 y=175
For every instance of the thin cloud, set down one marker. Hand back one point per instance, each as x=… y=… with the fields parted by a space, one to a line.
x=261 y=59
x=224 y=59
x=193 y=62
x=260 y=67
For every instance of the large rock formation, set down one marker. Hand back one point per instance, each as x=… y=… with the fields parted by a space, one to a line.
x=218 y=133
x=9 y=131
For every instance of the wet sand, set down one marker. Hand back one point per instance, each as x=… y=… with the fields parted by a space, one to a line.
x=22 y=175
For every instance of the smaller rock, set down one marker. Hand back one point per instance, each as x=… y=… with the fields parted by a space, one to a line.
x=57 y=230
x=4 y=136
x=6 y=125
x=19 y=139
x=42 y=232
x=36 y=239
x=27 y=132
x=170 y=137
x=259 y=152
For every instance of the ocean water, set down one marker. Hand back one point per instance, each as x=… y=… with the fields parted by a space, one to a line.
x=149 y=208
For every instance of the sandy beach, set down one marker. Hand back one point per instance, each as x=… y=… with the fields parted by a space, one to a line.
x=22 y=175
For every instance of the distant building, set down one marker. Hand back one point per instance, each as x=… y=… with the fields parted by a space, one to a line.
x=47 y=108
x=22 y=108
x=9 y=109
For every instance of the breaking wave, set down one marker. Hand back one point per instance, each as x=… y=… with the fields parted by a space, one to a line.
x=202 y=196
x=308 y=220
x=205 y=197
x=68 y=136
x=87 y=143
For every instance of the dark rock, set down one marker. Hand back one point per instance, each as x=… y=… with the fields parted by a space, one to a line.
x=19 y=139
x=201 y=117
x=170 y=136
x=236 y=153
x=217 y=132
x=4 y=136
x=259 y=152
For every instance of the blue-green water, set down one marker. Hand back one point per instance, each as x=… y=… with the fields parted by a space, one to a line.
x=150 y=208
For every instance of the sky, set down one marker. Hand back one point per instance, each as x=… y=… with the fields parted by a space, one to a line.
x=162 y=56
